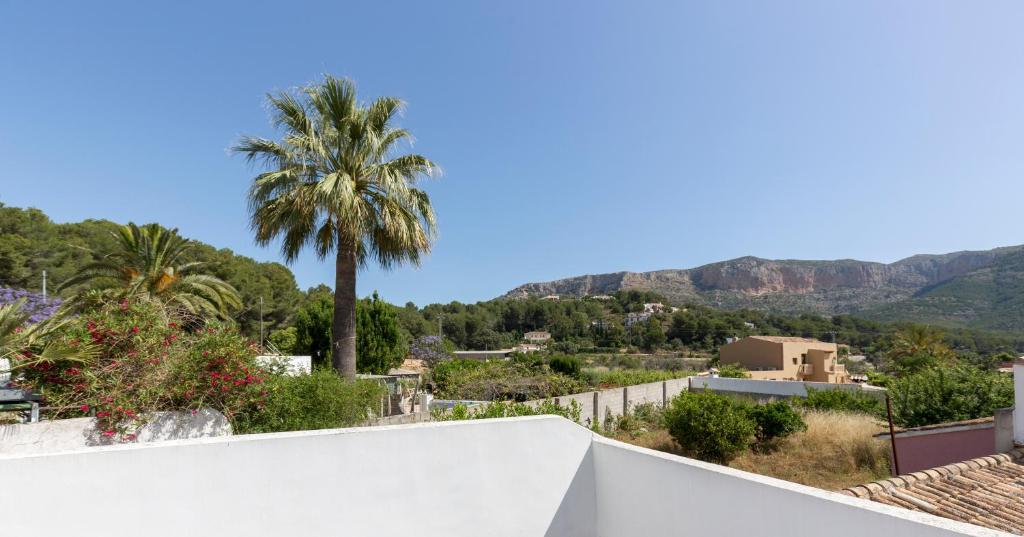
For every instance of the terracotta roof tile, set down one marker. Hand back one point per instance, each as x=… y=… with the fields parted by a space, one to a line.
x=987 y=491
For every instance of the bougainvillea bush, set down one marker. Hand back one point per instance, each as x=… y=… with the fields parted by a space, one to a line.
x=143 y=361
x=39 y=308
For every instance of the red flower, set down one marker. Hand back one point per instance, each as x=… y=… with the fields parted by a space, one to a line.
x=84 y=408
x=108 y=432
x=135 y=329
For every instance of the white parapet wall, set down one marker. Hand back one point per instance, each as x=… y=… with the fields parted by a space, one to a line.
x=773 y=388
x=537 y=476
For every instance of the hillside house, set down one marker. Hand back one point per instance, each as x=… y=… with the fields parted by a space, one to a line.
x=549 y=297
x=538 y=336
x=786 y=358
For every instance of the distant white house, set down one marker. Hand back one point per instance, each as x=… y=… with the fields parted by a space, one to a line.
x=636 y=317
x=654 y=307
x=527 y=347
x=603 y=297
x=538 y=336
x=549 y=297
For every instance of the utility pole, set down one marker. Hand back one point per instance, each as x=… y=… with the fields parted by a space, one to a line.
x=261 y=320
x=440 y=328
x=44 y=287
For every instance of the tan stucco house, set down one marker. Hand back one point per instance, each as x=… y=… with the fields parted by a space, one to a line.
x=786 y=358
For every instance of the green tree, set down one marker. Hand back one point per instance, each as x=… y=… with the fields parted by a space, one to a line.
x=654 y=335
x=284 y=340
x=334 y=183
x=313 y=327
x=945 y=394
x=917 y=347
x=379 y=342
x=150 y=262
x=709 y=426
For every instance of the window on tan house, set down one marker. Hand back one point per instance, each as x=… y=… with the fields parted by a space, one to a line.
x=803 y=358
x=794 y=360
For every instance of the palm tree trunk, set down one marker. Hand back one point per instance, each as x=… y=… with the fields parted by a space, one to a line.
x=343 y=346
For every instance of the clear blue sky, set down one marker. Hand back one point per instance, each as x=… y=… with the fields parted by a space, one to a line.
x=576 y=137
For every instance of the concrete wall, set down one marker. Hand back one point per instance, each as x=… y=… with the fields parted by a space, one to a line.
x=921 y=450
x=78 y=433
x=652 y=494
x=771 y=388
x=523 y=477
x=597 y=407
x=529 y=477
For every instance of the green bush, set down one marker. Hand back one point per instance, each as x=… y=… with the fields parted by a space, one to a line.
x=839 y=400
x=709 y=426
x=944 y=394
x=733 y=371
x=566 y=365
x=320 y=400
x=775 y=420
x=508 y=409
x=518 y=379
x=628 y=377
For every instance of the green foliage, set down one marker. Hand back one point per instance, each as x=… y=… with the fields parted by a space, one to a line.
x=641 y=418
x=733 y=371
x=31 y=243
x=313 y=327
x=149 y=262
x=917 y=347
x=516 y=380
x=840 y=400
x=142 y=361
x=569 y=366
x=379 y=342
x=508 y=409
x=775 y=420
x=337 y=182
x=628 y=377
x=945 y=394
x=284 y=340
x=709 y=426
x=320 y=400
x=654 y=335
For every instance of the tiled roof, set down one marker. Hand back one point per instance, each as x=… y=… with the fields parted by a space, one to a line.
x=987 y=491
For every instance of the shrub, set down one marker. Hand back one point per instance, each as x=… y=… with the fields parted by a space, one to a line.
x=519 y=379
x=841 y=401
x=628 y=377
x=641 y=418
x=944 y=394
x=566 y=365
x=775 y=420
x=508 y=409
x=733 y=371
x=319 y=400
x=283 y=340
x=709 y=426
x=142 y=362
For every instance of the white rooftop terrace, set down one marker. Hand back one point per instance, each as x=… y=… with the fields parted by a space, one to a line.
x=533 y=476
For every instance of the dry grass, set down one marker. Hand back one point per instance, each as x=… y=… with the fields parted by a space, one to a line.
x=838 y=450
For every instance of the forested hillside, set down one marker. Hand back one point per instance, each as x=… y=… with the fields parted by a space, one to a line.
x=31 y=243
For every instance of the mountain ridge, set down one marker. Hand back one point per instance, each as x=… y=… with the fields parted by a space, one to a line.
x=913 y=288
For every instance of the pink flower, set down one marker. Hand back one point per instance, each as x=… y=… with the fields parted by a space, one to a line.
x=135 y=329
x=84 y=408
x=108 y=432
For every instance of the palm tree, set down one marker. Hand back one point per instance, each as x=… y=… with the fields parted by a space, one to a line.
x=335 y=182
x=150 y=263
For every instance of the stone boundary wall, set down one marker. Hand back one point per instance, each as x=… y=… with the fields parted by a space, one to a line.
x=602 y=404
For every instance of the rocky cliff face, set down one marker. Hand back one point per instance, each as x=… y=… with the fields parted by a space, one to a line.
x=790 y=286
